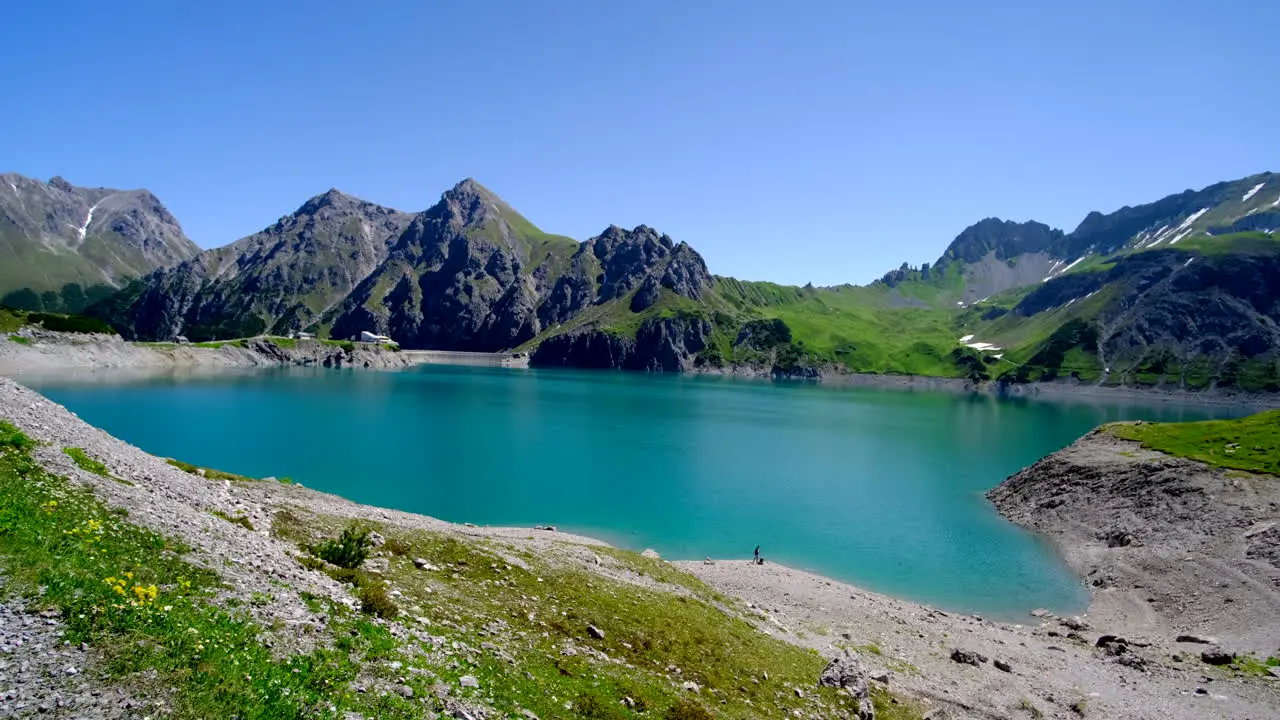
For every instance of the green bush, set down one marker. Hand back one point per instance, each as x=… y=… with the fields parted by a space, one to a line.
x=375 y=601
x=349 y=551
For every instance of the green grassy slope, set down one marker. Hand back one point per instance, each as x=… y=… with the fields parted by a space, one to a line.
x=1251 y=444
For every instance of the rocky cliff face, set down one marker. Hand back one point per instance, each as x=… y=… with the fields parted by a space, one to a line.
x=281 y=279
x=618 y=262
x=1005 y=238
x=662 y=344
x=54 y=234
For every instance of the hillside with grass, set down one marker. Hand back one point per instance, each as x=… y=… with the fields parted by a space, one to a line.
x=1251 y=444
x=66 y=247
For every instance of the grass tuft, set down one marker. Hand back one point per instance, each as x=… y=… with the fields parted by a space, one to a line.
x=240 y=520
x=207 y=473
x=89 y=464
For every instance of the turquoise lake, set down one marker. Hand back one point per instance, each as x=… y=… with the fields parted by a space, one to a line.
x=880 y=488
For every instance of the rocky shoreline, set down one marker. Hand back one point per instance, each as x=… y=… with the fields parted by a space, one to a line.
x=958 y=666
x=1062 y=389
x=1170 y=547
x=49 y=352
x=39 y=351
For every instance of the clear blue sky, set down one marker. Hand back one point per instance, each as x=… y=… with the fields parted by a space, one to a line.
x=809 y=141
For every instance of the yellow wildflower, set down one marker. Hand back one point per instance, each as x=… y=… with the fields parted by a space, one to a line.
x=145 y=594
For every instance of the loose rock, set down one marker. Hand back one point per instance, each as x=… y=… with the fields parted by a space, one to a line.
x=847 y=672
x=1203 y=640
x=968 y=657
x=1217 y=656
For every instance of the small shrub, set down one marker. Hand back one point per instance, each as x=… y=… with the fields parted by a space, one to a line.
x=687 y=710
x=593 y=708
x=375 y=601
x=20 y=340
x=86 y=463
x=349 y=551
x=397 y=546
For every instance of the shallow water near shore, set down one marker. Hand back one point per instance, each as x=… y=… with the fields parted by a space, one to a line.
x=883 y=489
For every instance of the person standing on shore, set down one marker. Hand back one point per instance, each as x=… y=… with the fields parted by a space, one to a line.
x=756 y=560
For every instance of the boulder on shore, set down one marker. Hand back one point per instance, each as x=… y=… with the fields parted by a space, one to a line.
x=846 y=671
x=968 y=657
x=1217 y=656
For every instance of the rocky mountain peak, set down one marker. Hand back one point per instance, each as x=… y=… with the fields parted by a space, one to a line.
x=469 y=187
x=1006 y=238
x=469 y=204
x=333 y=198
x=61 y=183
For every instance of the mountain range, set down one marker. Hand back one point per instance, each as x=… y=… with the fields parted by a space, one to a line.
x=1183 y=291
